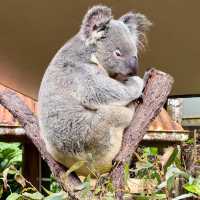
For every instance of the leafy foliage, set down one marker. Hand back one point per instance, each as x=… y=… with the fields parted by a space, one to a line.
x=10 y=154
x=149 y=166
x=25 y=189
x=13 y=186
x=10 y=160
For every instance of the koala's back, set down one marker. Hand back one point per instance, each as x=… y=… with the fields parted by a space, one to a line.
x=62 y=117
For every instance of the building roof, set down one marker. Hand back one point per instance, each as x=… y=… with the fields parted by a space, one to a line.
x=163 y=122
x=6 y=118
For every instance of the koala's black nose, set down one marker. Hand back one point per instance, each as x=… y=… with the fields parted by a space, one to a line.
x=133 y=65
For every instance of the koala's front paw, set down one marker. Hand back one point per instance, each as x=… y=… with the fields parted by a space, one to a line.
x=136 y=80
x=136 y=84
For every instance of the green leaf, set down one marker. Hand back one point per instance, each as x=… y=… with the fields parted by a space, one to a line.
x=140 y=197
x=55 y=187
x=110 y=187
x=15 y=157
x=20 y=179
x=10 y=154
x=143 y=165
x=170 y=183
x=75 y=166
x=171 y=159
x=193 y=188
x=150 y=151
x=109 y=196
x=5 y=145
x=162 y=185
x=86 y=186
x=57 y=196
x=97 y=190
x=156 y=175
x=33 y=196
x=47 y=191
x=183 y=196
x=126 y=173
x=159 y=196
x=1 y=190
x=174 y=171
x=14 y=196
x=5 y=181
x=190 y=141
x=154 y=151
x=29 y=190
x=144 y=169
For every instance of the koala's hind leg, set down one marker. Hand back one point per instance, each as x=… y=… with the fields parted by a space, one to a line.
x=109 y=123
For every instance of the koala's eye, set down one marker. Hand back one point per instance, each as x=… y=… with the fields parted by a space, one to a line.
x=117 y=53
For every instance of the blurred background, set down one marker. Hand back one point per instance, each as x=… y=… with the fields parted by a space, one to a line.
x=32 y=31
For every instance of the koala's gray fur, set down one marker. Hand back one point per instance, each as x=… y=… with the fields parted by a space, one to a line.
x=86 y=88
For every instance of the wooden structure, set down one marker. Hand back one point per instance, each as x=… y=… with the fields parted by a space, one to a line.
x=11 y=131
x=191 y=123
x=162 y=130
x=166 y=130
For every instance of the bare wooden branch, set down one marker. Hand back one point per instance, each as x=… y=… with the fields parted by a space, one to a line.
x=29 y=121
x=157 y=89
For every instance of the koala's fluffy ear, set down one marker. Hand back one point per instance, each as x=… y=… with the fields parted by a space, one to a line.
x=136 y=21
x=139 y=24
x=95 y=20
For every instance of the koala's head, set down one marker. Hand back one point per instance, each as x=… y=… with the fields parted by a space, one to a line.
x=116 y=41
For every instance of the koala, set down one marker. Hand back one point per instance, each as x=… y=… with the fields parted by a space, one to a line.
x=84 y=97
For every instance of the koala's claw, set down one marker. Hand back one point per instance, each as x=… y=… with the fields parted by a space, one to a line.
x=140 y=99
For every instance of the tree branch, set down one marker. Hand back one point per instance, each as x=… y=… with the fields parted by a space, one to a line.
x=157 y=89
x=29 y=121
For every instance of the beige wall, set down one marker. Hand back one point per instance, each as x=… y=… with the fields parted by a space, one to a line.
x=31 y=32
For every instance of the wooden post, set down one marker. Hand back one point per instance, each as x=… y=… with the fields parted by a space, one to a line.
x=32 y=164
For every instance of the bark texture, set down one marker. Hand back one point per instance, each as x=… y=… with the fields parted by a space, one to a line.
x=157 y=89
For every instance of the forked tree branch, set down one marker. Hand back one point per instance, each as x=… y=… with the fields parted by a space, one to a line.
x=157 y=89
